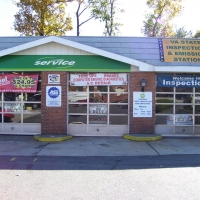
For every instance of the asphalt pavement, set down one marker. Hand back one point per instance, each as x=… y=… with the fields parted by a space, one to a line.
x=99 y=168
x=12 y=145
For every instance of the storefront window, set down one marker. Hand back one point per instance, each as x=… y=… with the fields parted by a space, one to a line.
x=98 y=98
x=183 y=109
x=177 y=104
x=119 y=89
x=118 y=120
x=77 y=88
x=78 y=108
x=11 y=117
x=119 y=98
x=77 y=119
x=197 y=90
x=77 y=97
x=164 y=109
x=197 y=109
x=119 y=109
x=164 y=98
x=32 y=118
x=100 y=88
x=20 y=100
x=184 y=98
x=183 y=90
x=97 y=119
x=164 y=89
x=197 y=120
x=164 y=119
x=98 y=102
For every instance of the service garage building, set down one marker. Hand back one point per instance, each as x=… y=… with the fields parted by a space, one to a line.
x=99 y=86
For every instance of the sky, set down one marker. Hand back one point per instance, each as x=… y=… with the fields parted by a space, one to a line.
x=132 y=19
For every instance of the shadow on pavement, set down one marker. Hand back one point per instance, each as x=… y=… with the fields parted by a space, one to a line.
x=98 y=163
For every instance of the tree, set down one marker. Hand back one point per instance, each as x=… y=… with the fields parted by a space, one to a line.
x=82 y=6
x=104 y=10
x=157 y=23
x=182 y=33
x=41 y=18
x=197 y=34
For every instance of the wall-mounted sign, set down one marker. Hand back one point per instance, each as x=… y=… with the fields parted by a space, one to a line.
x=53 y=78
x=98 y=109
x=179 y=50
x=98 y=79
x=53 y=96
x=74 y=63
x=178 y=81
x=142 y=104
x=19 y=83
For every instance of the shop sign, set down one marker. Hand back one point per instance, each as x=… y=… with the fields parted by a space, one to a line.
x=53 y=96
x=19 y=83
x=53 y=78
x=142 y=104
x=74 y=63
x=98 y=79
x=98 y=109
x=179 y=50
x=178 y=81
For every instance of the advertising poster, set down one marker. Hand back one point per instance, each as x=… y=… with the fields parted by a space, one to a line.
x=98 y=79
x=19 y=83
x=142 y=104
x=53 y=96
x=98 y=109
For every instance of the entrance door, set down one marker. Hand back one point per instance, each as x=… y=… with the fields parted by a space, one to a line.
x=98 y=110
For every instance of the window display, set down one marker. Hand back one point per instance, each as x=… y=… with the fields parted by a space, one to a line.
x=98 y=101
x=178 y=105
x=20 y=95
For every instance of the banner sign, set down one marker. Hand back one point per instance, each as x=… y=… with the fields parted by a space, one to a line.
x=98 y=79
x=83 y=63
x=53 y=96
x=19 y=83
x=142 y=104
x=98 y=109
x=178 y=81
x=179 y=50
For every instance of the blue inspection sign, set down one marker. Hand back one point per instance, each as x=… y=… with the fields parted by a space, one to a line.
x=178 y=81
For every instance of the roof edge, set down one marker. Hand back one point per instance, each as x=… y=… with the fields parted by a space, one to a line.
x=139 y=64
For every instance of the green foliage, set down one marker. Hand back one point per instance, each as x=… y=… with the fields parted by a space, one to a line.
x=41 y=18
x=157 y=23
x=106 y=11
x=197 y=108
x=197 y=34
x=182 y=33
x=160 y=108
x=164 y=101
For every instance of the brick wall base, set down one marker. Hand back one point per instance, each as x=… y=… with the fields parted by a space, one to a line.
x=146 y=124
x=53 y=119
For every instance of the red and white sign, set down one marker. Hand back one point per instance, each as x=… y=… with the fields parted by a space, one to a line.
x=19 y=83
x=98 y=79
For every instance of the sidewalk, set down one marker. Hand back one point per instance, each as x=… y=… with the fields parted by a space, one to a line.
x=96 y=146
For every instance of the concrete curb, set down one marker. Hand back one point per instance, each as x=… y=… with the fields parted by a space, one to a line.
x=142 y=137
x=52 y=138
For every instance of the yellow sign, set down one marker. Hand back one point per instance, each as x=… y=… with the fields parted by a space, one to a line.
x=181 y=50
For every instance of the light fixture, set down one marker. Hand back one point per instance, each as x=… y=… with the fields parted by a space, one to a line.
x=143 y=84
